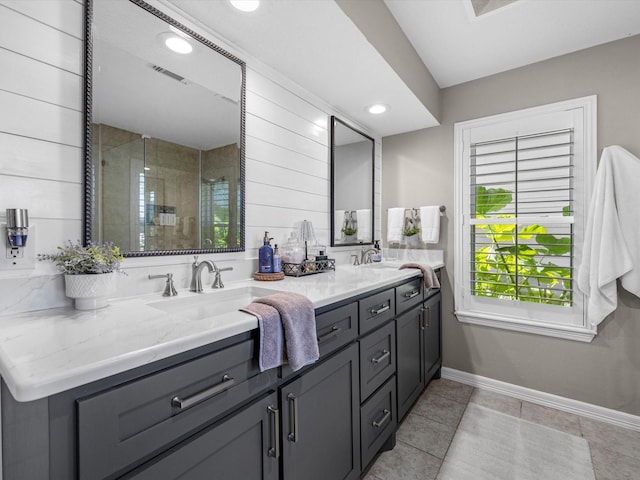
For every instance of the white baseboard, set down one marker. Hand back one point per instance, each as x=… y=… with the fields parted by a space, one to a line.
x=576 y=407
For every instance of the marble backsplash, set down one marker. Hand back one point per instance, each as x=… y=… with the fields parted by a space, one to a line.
x=44 y=288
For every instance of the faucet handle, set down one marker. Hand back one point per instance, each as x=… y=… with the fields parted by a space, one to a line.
x=355 y=259
x=217 y=282
x=169 y=289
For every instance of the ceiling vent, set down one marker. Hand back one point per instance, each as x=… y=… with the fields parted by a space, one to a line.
x=169 y=73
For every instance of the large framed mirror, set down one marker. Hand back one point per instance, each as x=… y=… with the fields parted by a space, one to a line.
x=352 y=185
x=165 y=135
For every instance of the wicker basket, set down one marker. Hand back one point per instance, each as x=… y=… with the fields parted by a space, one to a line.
x=268 y=277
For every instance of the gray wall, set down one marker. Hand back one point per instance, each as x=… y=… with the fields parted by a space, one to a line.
x=418 y=170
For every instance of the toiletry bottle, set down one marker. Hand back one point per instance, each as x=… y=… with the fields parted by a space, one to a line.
x=265 y=256
x=377 y=257
x=277 y=260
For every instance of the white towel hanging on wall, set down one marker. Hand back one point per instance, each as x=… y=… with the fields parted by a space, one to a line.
x=430 y=219
x=611 y=247
x=395 y=219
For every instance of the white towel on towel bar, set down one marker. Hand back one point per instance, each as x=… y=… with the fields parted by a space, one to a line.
x=430 y=223
x=611 y=247
x=364 y=225
x=395 y=221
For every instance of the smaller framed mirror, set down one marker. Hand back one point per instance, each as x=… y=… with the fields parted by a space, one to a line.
x=352 y=180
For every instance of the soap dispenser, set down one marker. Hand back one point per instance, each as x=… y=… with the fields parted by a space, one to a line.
x=265 y=255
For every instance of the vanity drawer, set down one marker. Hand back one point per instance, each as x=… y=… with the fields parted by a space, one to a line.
x=134 y=421
x=337 y=328
x=409 y=294
x=377 y=359
x=376 y=310
x=377 y=421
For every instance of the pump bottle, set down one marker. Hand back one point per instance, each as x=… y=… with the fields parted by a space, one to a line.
x=265 y=255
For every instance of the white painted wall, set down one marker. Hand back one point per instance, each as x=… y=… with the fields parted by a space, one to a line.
x=41 y=139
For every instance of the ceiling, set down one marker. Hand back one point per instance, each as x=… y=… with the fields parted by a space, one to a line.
x=315 y=44
x=456 y=46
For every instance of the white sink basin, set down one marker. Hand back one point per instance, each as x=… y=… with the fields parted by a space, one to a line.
x=212 y=303
x=382 y=265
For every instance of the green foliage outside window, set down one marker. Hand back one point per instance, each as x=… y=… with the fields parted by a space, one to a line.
x=514 y=263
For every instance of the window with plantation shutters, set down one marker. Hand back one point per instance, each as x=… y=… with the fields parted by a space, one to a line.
x=522 y=184
x=521 y=218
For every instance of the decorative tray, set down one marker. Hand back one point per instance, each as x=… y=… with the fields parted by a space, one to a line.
x=308 y=267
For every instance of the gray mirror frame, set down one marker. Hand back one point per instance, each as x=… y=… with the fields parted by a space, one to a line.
x=333 y=121
x=88 y=136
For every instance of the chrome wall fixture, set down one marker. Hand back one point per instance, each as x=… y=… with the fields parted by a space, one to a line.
x=17 y=227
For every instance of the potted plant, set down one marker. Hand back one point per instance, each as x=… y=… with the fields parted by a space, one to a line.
x=89 y=272
x=349 y=233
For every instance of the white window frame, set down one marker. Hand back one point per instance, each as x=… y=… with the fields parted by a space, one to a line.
x=563 y=322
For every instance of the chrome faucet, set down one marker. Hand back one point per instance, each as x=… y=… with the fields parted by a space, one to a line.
x=196 y=274
x=365 y=255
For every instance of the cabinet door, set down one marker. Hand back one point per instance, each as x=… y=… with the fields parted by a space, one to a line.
x=242 y=447
x=432 y=349
x=410 y=364
x=321 y=421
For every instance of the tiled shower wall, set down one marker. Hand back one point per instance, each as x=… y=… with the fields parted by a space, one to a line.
x=41 y=152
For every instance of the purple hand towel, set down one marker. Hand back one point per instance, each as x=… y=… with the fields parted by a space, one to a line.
x=299 y=322
x=430 y=278
x=271 y=335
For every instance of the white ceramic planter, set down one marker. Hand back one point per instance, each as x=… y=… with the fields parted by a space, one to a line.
x=90 y=291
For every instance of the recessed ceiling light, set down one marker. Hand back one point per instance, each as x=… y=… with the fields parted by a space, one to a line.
x=178 y=44
x=377 y=109
x=245 y=5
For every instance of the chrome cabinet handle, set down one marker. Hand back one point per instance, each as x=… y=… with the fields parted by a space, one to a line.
x=275 y=450
x=413 y=294
x=385 y=417
x=383 y=308
x=227 y=382
x=385 y=354
x=334 y=331
x=426 y=320
x=293 y=417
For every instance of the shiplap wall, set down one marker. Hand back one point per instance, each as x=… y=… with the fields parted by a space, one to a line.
x=41 y=134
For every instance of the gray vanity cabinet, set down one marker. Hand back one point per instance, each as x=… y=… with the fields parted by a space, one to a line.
x=431 y=320
x=245 y=446
x=410 y=366
x=418 y=350
x=320 y=421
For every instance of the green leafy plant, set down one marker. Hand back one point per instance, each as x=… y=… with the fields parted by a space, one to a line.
x=410 y=232
x=513 y=263
x=77 y=259
x=349 y=231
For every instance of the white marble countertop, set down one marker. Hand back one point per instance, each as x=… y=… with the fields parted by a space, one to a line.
x=49 y=351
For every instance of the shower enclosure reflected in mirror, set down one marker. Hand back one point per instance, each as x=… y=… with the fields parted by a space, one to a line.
x=164 y=166
x=352 y=177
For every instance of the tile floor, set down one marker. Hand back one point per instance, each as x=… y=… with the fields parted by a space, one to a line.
x=424 y=437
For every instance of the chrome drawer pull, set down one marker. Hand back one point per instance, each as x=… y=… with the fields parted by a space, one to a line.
x=227 y=382
x=383 y=308
x=413 y=294
x=334 y=331
x=385 y=354
x=275 y=450
x=386 y=416
x=293 y=418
